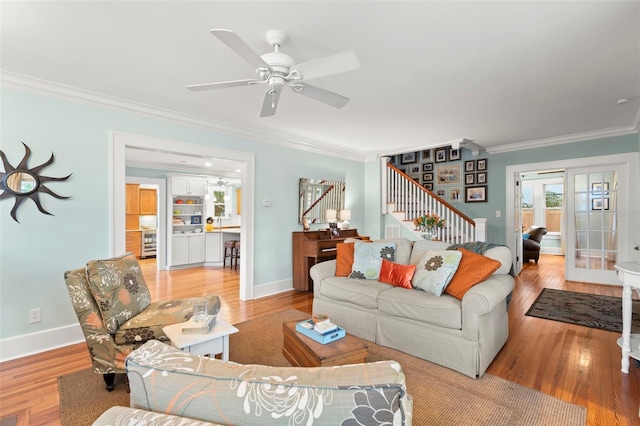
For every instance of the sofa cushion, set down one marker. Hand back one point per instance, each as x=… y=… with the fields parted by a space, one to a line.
x=367 y=259
x=404 y=247
x=444 y=311
x=420 y=247
x=133 y=416
x=503 y=255
x=166 y=380
x=473 y=268
x=435 y=270
x=363 y=293
x=119 y=288
x=397 y=275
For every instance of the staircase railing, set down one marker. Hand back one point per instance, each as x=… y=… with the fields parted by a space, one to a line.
x=409 y=198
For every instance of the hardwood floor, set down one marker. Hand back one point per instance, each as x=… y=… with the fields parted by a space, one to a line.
x=573 y=363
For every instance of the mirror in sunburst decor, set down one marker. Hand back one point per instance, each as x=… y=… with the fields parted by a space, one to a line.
x=21 y=182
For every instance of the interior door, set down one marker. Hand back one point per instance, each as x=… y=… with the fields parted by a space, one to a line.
x=518 y=222
x=595 y=206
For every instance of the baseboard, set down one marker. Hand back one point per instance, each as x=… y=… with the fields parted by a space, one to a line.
x=40 y=341
x=272 y=288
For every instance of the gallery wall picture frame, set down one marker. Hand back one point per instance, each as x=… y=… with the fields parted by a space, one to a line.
x=426 y=155
x=441 y=193
x=427 y=167
x=475 y=194
x=454 y=154
x=481 y=165
x=427 y=177
x=469 y=178
x=455 y=194
x=448 y=174
x=440 y=155
x=428 y=185
x=470 y=166
x=481 y=177
x=600 y=203
x=408 y=158
x=414 y=170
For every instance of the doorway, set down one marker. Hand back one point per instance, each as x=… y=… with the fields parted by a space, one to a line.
x=122 y=141
x=577 y=248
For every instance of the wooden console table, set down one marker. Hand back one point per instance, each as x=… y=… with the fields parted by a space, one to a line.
x=313 y=247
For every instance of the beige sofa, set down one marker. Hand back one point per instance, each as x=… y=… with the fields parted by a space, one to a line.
x=462 y=335
x=172 y=387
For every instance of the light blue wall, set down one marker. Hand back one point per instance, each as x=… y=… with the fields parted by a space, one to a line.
x=35 y=253
x=496 y=177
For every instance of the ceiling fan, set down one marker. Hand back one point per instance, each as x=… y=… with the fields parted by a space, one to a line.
x=220 y=182
x=277 y=69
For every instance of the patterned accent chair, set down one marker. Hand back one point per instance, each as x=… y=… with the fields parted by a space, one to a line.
x=113 y=305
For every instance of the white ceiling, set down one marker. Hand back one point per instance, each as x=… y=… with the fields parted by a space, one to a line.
x=503 y=74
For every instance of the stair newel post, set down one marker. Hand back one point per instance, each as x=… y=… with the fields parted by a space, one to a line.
x=481 y=229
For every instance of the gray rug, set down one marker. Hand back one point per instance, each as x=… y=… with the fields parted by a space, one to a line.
x=440 y=396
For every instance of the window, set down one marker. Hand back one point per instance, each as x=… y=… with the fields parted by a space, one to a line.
x=219 y=205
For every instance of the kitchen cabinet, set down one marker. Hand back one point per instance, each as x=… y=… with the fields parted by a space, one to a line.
x=187 y=248
x=132 y=201
x=148 y=199
x=213 y=247
x=133 y=243
x=188 y=185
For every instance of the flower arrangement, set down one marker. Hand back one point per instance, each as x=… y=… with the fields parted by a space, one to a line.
x=428 y=222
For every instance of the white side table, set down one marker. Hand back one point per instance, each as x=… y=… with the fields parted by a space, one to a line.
x=629 y=274
x=213 y=343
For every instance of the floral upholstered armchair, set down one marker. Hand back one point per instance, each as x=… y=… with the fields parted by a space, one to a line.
x=113 y=304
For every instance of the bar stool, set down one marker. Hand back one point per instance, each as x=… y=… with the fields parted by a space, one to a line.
x=237 y=253
x=229 y=251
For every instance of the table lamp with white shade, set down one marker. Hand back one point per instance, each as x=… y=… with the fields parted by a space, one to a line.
x=345 y=216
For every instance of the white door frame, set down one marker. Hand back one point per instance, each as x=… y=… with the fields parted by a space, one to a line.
x=630 y=159
x=120 y=141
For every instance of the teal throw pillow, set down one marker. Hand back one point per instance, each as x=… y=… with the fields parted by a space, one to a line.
x=367 y=259
x=435 y=270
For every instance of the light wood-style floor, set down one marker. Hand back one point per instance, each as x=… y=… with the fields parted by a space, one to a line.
x=573 y=363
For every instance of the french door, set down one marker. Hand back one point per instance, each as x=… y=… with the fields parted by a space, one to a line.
x=596 y=205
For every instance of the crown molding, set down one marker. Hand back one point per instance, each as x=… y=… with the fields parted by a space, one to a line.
x=47 y=88
x=560 y=140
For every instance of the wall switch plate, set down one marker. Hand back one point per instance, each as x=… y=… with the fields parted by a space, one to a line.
x=35 y=315
x=266 y=203
x=498 y=213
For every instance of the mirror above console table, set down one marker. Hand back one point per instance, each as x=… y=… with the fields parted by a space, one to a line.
x=316 y=196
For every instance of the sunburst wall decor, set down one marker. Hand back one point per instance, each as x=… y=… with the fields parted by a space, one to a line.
x=21 y=182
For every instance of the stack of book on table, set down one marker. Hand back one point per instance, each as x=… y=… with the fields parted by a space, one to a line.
x=322 y=332
x=198 y=327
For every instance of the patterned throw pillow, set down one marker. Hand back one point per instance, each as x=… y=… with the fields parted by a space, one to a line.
x=397 y=275
x=435 y=270
x=473 y=268
x=367 y=259
x=119 y=289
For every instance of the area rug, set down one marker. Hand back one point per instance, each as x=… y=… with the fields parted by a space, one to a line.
x=440 y=396
x=590 y=310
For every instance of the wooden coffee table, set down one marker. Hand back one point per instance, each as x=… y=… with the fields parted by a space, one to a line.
x=302 y=351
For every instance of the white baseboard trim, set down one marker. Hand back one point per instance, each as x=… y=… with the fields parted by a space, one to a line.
x=40 y=341
x=272 y=288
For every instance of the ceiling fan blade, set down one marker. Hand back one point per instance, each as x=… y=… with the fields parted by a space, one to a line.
x=270 y=103
x=236 y=44
x=221 y=85
x=333 y=64
x=322 y=95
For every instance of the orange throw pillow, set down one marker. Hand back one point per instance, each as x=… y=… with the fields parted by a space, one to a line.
x=473 y=268
x=344 y=259
x=396 y=274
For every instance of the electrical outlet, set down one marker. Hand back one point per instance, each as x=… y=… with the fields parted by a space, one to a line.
x=35 y=315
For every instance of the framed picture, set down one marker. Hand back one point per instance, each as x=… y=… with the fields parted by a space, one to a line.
x=440 y=154
x=333 y=230
x=426 y=155
x=414 y=171
x=469 y=178
x=470 y=165
x=455 y=195
x=428 y=186
x=448 y=173
x=408 y=158
x=599 y=187
x=454 y=154
x=599 y=204
x=481 y=165
x=427 y=177
x=481 y=177
x=441 y=193
x=475 y=194
x=427 y=167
